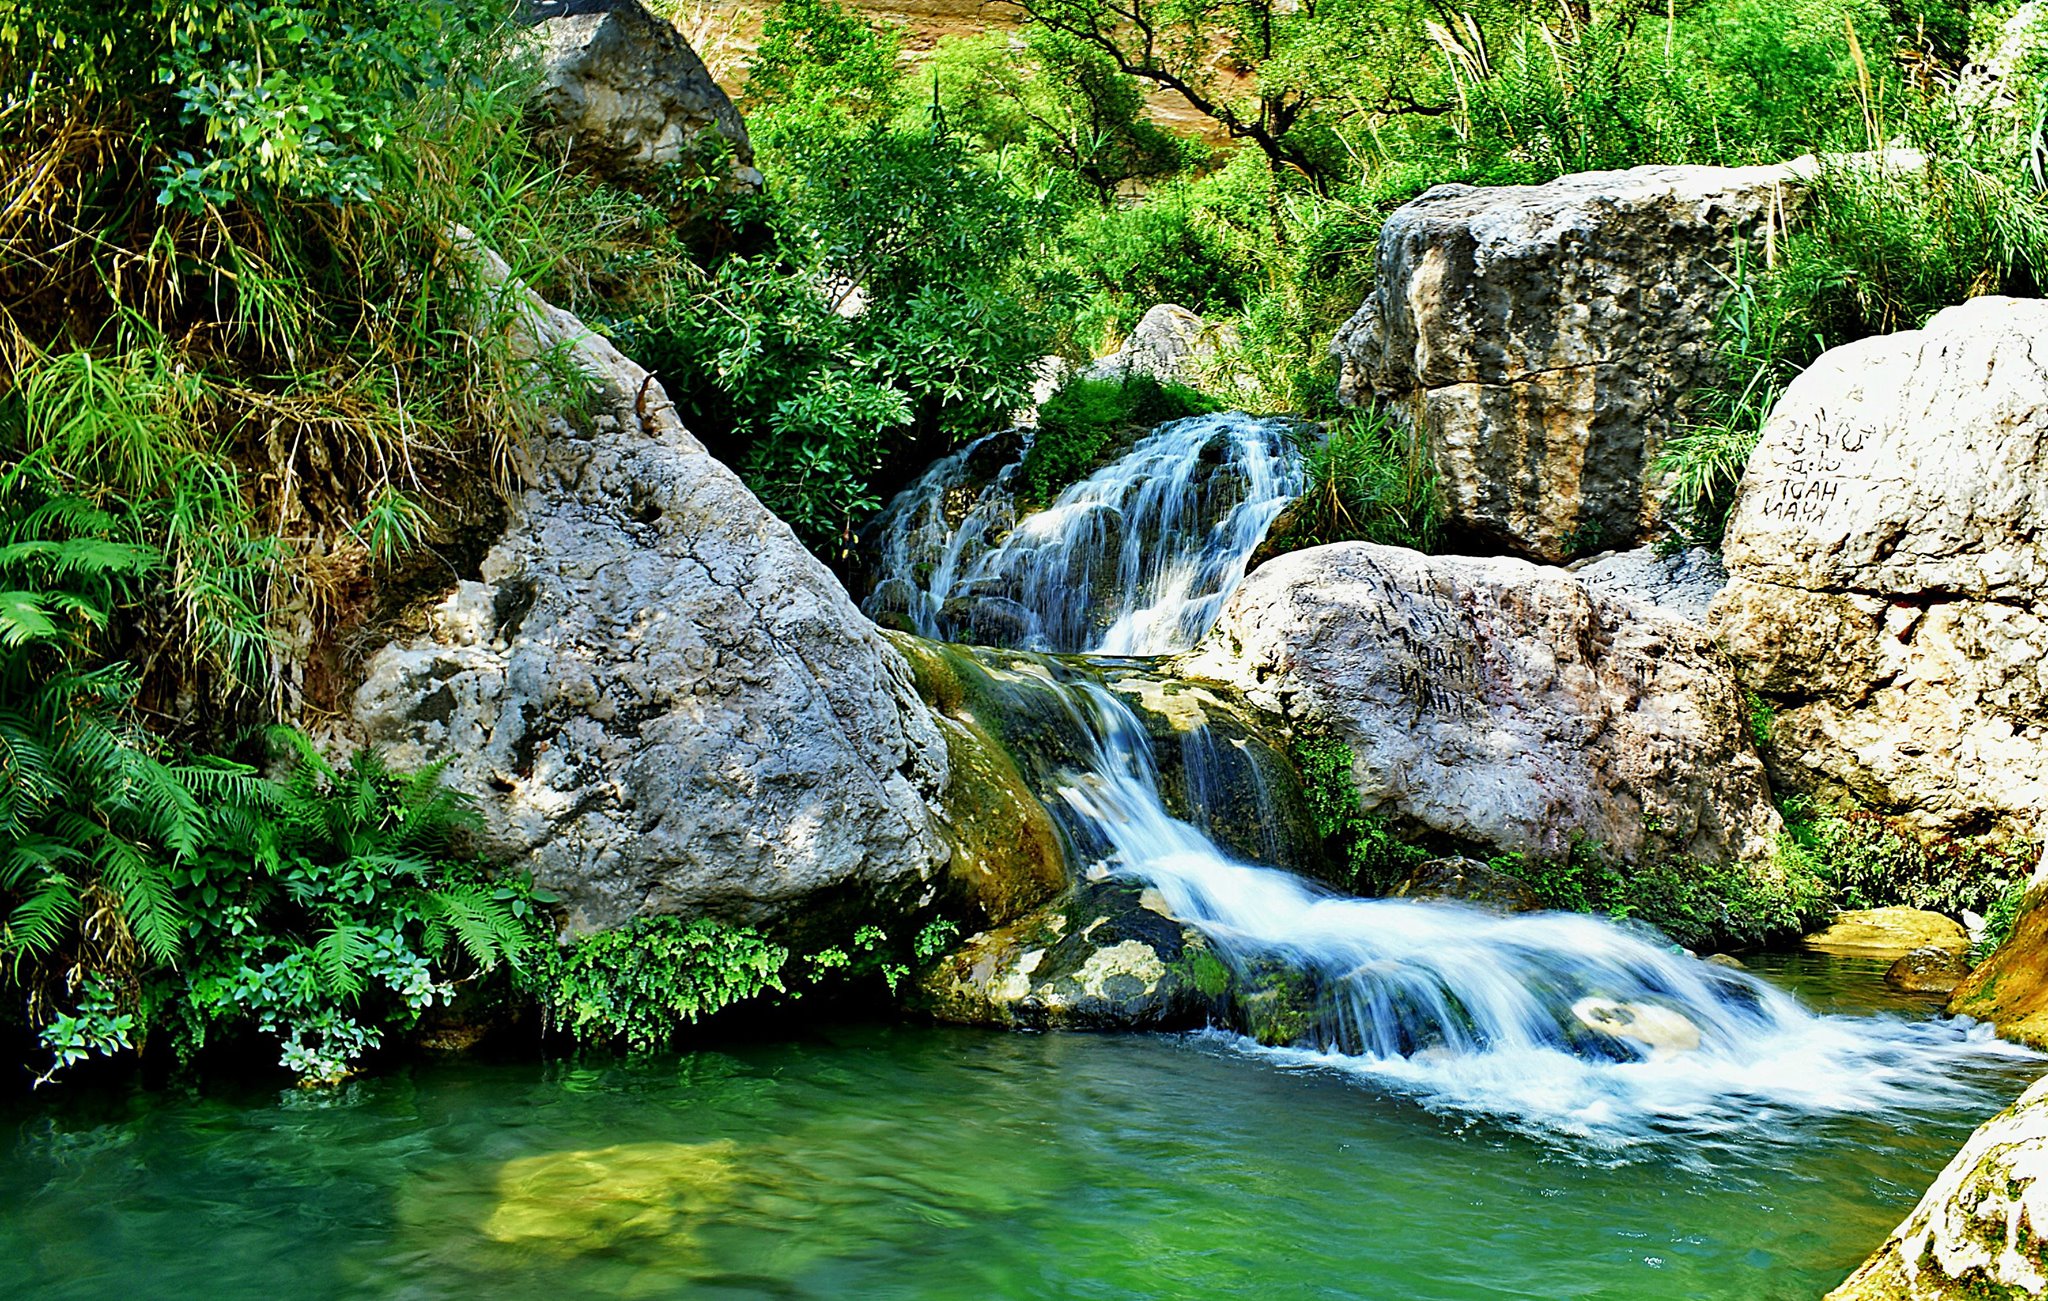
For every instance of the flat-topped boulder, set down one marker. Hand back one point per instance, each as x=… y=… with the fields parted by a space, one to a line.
x=1888 y=569
x=1503 y=704
x=1546 y=339
x=1888 y=933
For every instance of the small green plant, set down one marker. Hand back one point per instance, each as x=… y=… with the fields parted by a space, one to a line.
x=1761 y=719
x=1083 y=424
x=1367 y=854
x=1369 y=481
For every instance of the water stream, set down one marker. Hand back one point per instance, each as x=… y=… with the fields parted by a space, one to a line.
x=1568 y=1028
x=1135 y=559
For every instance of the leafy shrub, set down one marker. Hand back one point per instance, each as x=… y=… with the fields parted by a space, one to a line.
x=1369 y=481
x=1369 y=857
x=1088 y=420
x=1699 y=905
x=639 y=983
x=638 y=986
x=1873 y=861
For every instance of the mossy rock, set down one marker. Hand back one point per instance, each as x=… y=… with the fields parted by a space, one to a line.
x=2009 y=989
x=1105 y=957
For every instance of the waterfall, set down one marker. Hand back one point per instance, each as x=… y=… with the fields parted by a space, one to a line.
x=1555 y=1022
x=1135 y=559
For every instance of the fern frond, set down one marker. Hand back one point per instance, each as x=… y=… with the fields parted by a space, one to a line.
x=340 y=956
x=142 y=887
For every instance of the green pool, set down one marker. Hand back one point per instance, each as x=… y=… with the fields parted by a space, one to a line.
x=874 y=1161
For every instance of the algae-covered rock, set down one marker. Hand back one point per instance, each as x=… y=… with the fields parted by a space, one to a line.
x=1928 y=971
x=1099 y=959
x=1888 y=933
x=1981 y=1230
x=589 y=1200
x=2010 y=988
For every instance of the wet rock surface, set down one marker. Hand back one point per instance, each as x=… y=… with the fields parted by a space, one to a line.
x=1931 y=970
x=1105 y=957
x=1502 y=704
x=661 y=700
x=1980 y=1229
x=1888 y=566
x=1467 y=880
x=2009 y=989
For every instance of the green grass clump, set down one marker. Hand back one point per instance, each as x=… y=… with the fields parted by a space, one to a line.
x=1370 y=480
x=1088 y=419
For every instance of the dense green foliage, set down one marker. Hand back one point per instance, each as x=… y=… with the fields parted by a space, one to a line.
x=640 y=984
x=1874 y=861
x=1090 y=421
x=1369 y=480
x=1705 y=906
x=1364 y=851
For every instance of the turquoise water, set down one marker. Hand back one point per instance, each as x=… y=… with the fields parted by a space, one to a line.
x=913 y=1162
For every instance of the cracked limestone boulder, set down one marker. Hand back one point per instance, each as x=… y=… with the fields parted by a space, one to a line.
x=664 y=703
x=1503 y=705
x=630 y=93
x=1888 y=565
x=1546 y=338
x=1980 y=1229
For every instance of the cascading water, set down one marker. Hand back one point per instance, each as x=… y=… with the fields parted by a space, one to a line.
x=1555 y=1022
x=1560 y=1024
x=1135 y=559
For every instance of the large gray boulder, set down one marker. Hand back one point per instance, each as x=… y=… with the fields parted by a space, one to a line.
x=663 y=702
x=629 y=91
x=1503 y=704
x=1979 y=1229
x=1546 y=339
x=1168 y=340
x=1888 y=558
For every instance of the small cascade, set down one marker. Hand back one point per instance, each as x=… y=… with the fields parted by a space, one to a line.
x=1135 y=559
x=1554 y=1022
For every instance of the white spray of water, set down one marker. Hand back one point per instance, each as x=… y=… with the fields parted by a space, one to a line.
x=1135 y=559
x=1479 y=1012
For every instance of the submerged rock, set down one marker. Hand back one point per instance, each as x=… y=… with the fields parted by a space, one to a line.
x=1546 y=339
x=1661 y=1031
x=1503 y=704
x=591 y=1200
x=629 y=91
x=1981 y=1230
x=1889 y=572
x=663 y=702
x=1888 y=933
